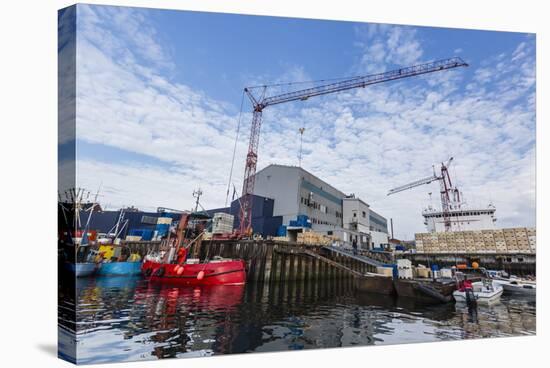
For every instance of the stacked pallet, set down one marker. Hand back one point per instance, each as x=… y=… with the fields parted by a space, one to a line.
x=532 y=239
x=313 y=238
x=488 y=241
x=281 y=238
x=512 y=240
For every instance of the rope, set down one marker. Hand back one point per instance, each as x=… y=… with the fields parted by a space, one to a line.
x=234 y=150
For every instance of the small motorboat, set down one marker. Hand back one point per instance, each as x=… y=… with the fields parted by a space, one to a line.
x=513 y=284
x=483 y=292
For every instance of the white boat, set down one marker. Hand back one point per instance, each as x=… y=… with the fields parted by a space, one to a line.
x=517 y=286
x=485 y=292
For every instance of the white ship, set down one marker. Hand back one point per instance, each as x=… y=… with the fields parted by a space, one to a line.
x=455 y=214
x=461 y=219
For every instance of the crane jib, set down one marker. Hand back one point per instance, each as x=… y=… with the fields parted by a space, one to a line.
x=360 y=82
x=259 y=103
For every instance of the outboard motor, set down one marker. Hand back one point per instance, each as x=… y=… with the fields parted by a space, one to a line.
x=470 y=298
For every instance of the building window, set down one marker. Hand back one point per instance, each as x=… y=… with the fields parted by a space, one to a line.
x=354 y=214
x=364 y=214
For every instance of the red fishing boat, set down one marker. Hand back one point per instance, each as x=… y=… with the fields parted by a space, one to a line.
x=175 y=266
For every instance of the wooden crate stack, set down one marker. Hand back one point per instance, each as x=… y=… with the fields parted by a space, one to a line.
x=489 y=241
x=419 y=241
x=512 y=240
x=313 y=238
x=469 y=243
x=460 y=244
x=500 y=242
x=532 y=238
x=522 y=240
x=281 y=238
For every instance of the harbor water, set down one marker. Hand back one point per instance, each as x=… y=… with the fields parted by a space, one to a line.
x=128 y=318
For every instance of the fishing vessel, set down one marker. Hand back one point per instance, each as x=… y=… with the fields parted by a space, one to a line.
x=74 y=250
x=176 y=267
x=116 y=258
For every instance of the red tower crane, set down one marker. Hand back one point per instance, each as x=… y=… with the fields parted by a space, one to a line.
x=449 y=194
x=259 y=103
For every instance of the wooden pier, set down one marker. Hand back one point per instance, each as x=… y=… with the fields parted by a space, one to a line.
x=278 y=262
x=281 y=261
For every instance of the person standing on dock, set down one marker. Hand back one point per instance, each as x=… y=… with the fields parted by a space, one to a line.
x=354 y=245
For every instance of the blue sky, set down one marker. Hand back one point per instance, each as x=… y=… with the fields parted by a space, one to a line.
x=159 y=93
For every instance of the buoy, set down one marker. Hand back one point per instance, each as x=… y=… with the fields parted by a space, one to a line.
x=200 y=275
x=177 y=268
x=475 y=265
x=180 y=270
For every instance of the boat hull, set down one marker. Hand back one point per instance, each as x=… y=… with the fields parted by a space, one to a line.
x=82 y=269
x=482 y=296
x=427 y=292
x=518 y=288
x=119 y=269
x=222 y=272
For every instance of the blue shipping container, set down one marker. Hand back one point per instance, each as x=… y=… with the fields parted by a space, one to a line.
x=162 y=229
x=146 y=234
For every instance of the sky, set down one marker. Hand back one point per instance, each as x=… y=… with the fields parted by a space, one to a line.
x=158 y=106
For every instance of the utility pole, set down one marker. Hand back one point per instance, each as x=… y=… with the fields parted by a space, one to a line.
x=301 y=130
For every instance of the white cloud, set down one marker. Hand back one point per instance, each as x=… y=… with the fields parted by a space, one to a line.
x=362 y=141
x=385 y=45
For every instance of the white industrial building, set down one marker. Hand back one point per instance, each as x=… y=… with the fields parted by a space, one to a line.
x=296 y=191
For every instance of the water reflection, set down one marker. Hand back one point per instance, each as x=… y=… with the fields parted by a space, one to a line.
x=130 y=319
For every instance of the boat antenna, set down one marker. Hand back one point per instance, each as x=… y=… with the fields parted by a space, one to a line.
x=197 y=194
x=97 y=193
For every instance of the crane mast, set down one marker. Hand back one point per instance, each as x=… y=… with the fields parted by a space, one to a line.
x=446 y=190
x=261 y=102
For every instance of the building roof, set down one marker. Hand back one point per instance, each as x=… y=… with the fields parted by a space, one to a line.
x=356 y=199
x=302 y=170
